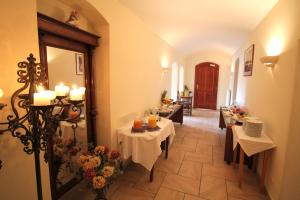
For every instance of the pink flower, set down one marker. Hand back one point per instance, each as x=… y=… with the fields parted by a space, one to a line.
x=89 y=174
x=106 y=149
x=114 y=154
x=74 y=150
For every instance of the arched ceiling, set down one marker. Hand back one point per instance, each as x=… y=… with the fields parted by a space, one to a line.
x=195 y=25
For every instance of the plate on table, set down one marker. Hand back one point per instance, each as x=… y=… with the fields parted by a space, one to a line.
x=138 y=130
x=163 y=114
x=153 y=129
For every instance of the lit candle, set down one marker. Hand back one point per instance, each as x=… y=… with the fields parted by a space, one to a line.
x=61 y=90
x=50 y=94
x=82 y=89
x=43 y=98
x=77 y=94
x=152 y=121
x=137 y=123
x=40 y=88
x=1 y=93
x=40 y=99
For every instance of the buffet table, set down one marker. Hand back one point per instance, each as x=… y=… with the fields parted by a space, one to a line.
x=226 y=122
x=176 y=115
x=145 y=148
x=250 y=146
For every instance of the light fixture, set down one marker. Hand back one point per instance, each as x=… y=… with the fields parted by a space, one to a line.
x=164 y=64
x=269 y=61
x=165 y=69
x=33 y=121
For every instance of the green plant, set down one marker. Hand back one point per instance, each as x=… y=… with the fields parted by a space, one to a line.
x=186 y=88
x=163 y=95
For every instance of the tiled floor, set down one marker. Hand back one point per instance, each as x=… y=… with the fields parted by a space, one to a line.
x=195 y=169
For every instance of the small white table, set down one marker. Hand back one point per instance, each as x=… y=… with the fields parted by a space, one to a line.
x=251 y=146
x=144 y=148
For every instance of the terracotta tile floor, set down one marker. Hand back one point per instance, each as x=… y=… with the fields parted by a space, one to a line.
x=195 y=169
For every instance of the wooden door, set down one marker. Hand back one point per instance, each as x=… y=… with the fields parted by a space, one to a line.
x=206 y=85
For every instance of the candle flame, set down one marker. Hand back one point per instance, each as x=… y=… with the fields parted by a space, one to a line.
x=40 y=88
x=82 y=90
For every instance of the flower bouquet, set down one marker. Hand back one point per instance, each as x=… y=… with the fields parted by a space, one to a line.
x=64 y=150
x=99 y=168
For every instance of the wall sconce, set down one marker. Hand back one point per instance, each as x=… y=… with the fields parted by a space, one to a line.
x=164 y=65
x=165 y=69
x=269 y=61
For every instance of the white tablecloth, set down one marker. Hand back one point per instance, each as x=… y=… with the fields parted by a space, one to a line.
x=144 y=147
x=251 y=145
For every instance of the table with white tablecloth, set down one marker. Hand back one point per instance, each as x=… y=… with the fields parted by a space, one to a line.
x=250 y=146
x=80 y=133
x=145 y=148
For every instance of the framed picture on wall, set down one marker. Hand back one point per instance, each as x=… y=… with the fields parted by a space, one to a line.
x=249 y=56
x=79 y=63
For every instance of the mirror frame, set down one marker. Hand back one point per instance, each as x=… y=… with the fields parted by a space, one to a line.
x=57 y=34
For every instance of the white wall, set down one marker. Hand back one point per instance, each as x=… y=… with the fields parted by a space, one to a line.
x=129 y=78
x=291 y=175
x=135 y=53
x=62 y=68
x=222 y=59
x=269 y=93
x=18 y=38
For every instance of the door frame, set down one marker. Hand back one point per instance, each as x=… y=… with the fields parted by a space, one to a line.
x=57 y=34
x=235 y=79
x=211 y=64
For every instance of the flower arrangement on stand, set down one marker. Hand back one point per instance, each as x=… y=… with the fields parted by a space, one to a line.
x=100 y=167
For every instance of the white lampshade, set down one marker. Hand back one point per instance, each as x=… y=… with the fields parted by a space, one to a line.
x=269 y=61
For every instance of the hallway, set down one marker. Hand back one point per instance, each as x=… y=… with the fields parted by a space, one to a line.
x=194 y=170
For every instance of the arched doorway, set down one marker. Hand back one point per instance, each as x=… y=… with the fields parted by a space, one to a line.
x=206 y=85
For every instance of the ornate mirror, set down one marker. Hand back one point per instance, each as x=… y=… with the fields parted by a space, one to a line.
x=66 y=54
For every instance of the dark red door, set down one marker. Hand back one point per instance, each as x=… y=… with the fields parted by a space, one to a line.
x=206 y=85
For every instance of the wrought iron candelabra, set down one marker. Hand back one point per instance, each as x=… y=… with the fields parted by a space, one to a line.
x=2 y=105
x=34 y=124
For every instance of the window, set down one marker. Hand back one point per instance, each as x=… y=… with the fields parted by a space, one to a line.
x=181 y=78
x=174 y=83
